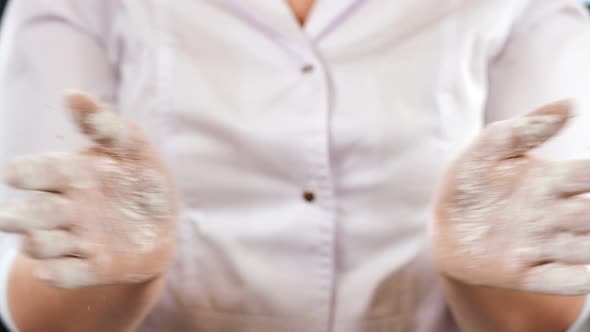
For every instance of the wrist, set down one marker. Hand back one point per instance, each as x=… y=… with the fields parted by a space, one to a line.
x=116 y=307
x=482 y=309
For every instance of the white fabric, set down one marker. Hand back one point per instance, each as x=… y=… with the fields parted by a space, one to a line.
x=582 y=324
x=397 y=88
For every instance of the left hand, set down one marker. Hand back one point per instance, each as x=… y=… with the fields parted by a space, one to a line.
x=507 y=219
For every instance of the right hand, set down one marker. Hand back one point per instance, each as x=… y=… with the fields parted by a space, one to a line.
x=102 y=216
x=507 y=219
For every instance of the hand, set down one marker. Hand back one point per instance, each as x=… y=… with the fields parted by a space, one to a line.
x=105 y=215
x=507 y=219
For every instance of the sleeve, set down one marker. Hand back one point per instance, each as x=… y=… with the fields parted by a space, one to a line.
x=547 y=58
x=582 y=324
x=46 y=47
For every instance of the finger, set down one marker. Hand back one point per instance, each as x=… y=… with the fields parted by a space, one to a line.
x=558 y=279
x=572 y=216
x=567 y=248
x=514 y=137
x=101 y=125
x=44 y=172
x=45 y=244
x=569 y=178
x=44 y=211
x=68 y=272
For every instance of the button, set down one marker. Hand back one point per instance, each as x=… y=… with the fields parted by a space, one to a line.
x=307 y=69
x=308 y=196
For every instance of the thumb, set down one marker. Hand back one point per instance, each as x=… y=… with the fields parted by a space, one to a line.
x=102 y=126
x=515 y=137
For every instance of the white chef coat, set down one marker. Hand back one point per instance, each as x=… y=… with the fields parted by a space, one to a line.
x=306 y=158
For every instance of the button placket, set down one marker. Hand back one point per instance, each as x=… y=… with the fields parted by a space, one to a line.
x=318 y=189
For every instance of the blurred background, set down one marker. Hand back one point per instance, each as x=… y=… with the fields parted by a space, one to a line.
x=2 y=6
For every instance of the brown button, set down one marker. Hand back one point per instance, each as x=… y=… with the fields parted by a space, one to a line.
x=308 y=196
x=307 y=69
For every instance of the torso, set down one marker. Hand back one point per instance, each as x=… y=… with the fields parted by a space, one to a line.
x=246 y=132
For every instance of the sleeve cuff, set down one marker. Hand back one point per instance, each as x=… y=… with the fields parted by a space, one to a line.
x=582 y=324
x=6 y=260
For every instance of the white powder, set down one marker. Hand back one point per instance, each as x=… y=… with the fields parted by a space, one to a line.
x=106 y=127
x=27 y=169
x=145 y=237
x=51 y=171
x=535 y=128
x=484 y=186
x=502 y=211
x=119 y=206
x=532 y=130
x=140 y=202
x=52 y=243
x=141 y=193
x=68 y=273
x=567 y=279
